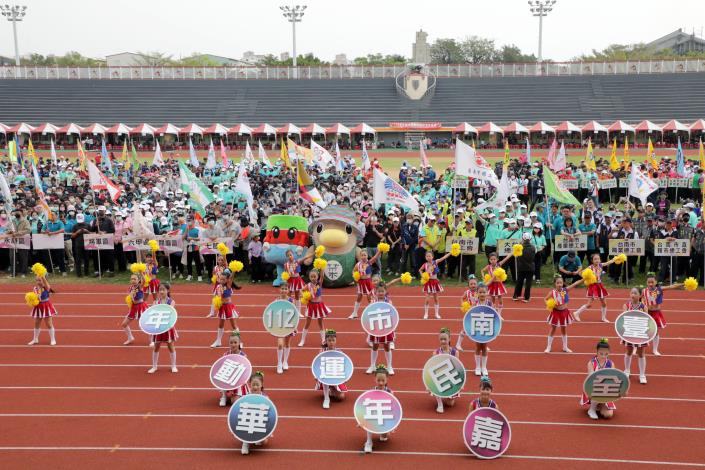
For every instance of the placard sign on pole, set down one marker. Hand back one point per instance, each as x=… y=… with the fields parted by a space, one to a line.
x=133 y=243
x=170 y=243
x=679 y=182
x=570 y=184
x=16 y=242
x=98 y=241
x=42 y=241
x=504 y=246
x=623 y=182
x=680 y=247
x=571 y=243
x=607 y=183
x=628 y=246
x=460 y=182
x=468 y=246
x=210 y=247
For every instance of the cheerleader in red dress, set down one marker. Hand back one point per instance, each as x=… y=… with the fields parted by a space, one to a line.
x=596 y=290
x=381 y=383
x=227 y=310
x=44 y=310
x=635 y=303
x=295 y=282
x=364 y=283
x=137 y=305
x=235 y=348
x=387 y=342
x=315 y=309
x=495 y=288
x=485 y=399
x=469 y=296
x=220 y=266
x=481 y=349
x=445 y=348
x=600 y=361
x=560 y=315
x=169 y=337
x=256 y=388
x=153 y=272
x=338 y=392
x=432 y=287
x=284 y=344
x=653 y=298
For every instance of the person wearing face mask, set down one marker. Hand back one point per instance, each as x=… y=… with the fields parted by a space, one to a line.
x=122 y=228
x=80 y=228
x=55 y=227
x=19 y=258
x=409 y=240
x=104 y=224
x=210 y=234
x=69 y=222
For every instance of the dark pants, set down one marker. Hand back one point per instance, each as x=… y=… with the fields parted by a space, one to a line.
x=57 y=259
x=665 y=270
x=524 y=280
x=547 y=251
x=107 y=260
x=191 y=258
x=489 y=250
x=209 y=261
x=683 y=265
x=538 y=262
x=19 y=259
x=256 y=268
x=568 y=279
x=697 y=267
x=453 y=264
x=80 y=257
x=420 y=259
x=468 y=266
x=393 y=259
x=626 y=270
x=175 y=260
x=120 y=257
x=441 y=265
x=512 y=267
x=407 y=259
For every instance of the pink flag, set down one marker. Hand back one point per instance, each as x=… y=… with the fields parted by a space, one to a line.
x=223 y=155
x=551 y=152
x=422 y=154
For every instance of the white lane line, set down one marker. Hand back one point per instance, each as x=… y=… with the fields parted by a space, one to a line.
x=344 y=451
x=211 y=390
x=339 y=418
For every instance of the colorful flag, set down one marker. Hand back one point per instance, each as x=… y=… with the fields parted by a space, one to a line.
x=470 y=163
x=284 y=155
x=527 y=157
x=81 y=155
x=556 y=190
x=135 y=162
x=506 y=152
x=501 y=196
x=32 y=153
x=339 y=159
x=107 y=164
x=702 y=154
x=561 y=161
x=262 y=154
x=210 y=161
x=242 y=185
x=307 y=190
x=18 y=152
x=366 y=164
x=422 y=154
x=6 y=194
x=388 y=191
x=651 y=155
x=193 y=160
x=12 y=151
x=300 y=151
x=249 y=158
x=626 y=159
x=552 y=153
x=157 y=160
x=224 y=156
x=123 y=157
x=321 y=156
x=680 y=160
x=38 y=188
x=99 y=181
x=614 y=164
x=199 y=193
x=640 y=185
x=590 y=157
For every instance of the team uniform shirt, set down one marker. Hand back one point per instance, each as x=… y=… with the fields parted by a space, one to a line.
x=364 y=284
x=433 y=286
x=585 y=400
x=44 y=309
x=295 y=282
x=653 y=298
x=560 y=316
x=495 y=288
x=168 y=336
x=138 y=304
x=316 y=308
x=153 y=270
x=227 y=309
x=477 y=404
x=597 y=290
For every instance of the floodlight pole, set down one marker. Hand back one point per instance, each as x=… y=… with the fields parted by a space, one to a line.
x=541 y=8
x=14 y=13
x=293 y=15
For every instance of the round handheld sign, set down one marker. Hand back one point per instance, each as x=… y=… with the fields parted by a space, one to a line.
x=332 y=368
x=158 y=319
x=487 y=433
x=444 y=375
x=379 y=319
x=482 y=324
x=606 y=385
x=230 y=372
x=252 y=418
x=636 y=327
x=280 y=318
x=378 y=411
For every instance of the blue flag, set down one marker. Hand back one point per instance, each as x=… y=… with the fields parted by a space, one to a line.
x=18 y=149
x=680 y=160
x=107 y=164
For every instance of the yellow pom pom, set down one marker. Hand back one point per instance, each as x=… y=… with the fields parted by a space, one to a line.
x=383 y=247
x=465 y=306
x=455 y=249
x=128 y=300
x=236 y=266
x=487 y=279
x=406 y=278
x=517 y=250
x=620 y=258
x=214 y=279
x=305 y=297
x=425 y=277
x=153 y=245
x=690 y=283
x=217 y=302
x=137 y=268
x=285 y=276
x=356 y=275
x=320 y=251
x=320 y=264
x=222 y=248
x=146 y=280
x=500 y=274
x=39 y=270
x=32 y=299
x=551 y=304
x=588 y=276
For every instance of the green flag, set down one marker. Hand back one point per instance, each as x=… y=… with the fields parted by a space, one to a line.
x=135 y=162
x=199 y=193
x=556 y=190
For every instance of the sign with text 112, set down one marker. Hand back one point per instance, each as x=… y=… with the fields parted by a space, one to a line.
x=280 y=318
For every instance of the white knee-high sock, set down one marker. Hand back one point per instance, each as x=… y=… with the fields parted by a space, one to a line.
x=304 y=332
x=373 y=358
x=438 y=310
x=603 y=311
x=642 y=365
x=459 y=343
x=280 y=353
x=172 y=356
x=356 y=308
x=369 y=438
x=128 y=332
x=388 y=357
x=155 y=358
x=219 y=338
x=565 y=341
x=286 y=354
x=439 y=401
x=326 y=392
x=36 y=334
x=425 y=309
x=478 y=360
x=657 y=338
x=323 y=336
x=627 y=363
x=52 y=334
x=580 y=310
x=483 y=361
x=550 y=342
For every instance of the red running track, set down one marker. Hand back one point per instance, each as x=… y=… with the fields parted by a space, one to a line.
x=89 y=400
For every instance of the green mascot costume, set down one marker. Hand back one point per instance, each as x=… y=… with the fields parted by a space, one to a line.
x=336 y=230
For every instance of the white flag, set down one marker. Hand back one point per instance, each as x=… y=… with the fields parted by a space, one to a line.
x=193 y=160
x=5 y=190
x=99 y=181
x=157 y=160
x=249 y=157
x=500 y=198
x=366 y=164
x=321 y=156
x=338 y=159
x=210 y=162
x=422 y=154
x=640 y=185
x=470 y=163
x=388 y=191
x=242 y=185
x=558 y=163
x=141 y=227
x=263 y=154
x=53 y=154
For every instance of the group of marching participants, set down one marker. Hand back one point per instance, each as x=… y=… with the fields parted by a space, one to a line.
x=488 y=292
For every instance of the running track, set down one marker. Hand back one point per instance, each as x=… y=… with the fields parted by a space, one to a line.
x=89 y=401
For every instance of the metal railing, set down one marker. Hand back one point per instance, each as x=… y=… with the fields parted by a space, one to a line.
x=337 y=72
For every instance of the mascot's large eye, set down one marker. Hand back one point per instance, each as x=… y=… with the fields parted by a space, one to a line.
x=291 y=233
x=348 y=229
x=275 y=232
x=319 y=228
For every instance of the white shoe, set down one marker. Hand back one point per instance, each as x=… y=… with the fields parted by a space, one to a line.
x=216 y=344
x=390 y=371
x=485 y=372
x=280 y=370
x=656 y=353
x=626 y=372
x=439 y=408
x=285 y=366
x=370 y=370
x=425 y=316
x=567 y=350
x=478 y=372
x=326 y=403
x=174 y=370
x=592 y=414
x=301 y=315
x=391 y=346
x=245 y=448
x=642 y=379
x=151 y=345
x=33 y=342
x=352 y=315
x=223 y=401
x=152 y=370
x=459 y=348
x=605 y=320
x=128 y=342
x=547 y=350
x=200 y=279
x=368 y=447
x=188 y=278
x=301 y=344
x=383 y=438
x=53 y=342
x=438 y=316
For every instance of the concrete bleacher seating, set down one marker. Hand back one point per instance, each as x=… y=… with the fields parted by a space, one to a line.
x=657 y=97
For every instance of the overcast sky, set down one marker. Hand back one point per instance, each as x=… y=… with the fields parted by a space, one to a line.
x=355 y=27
